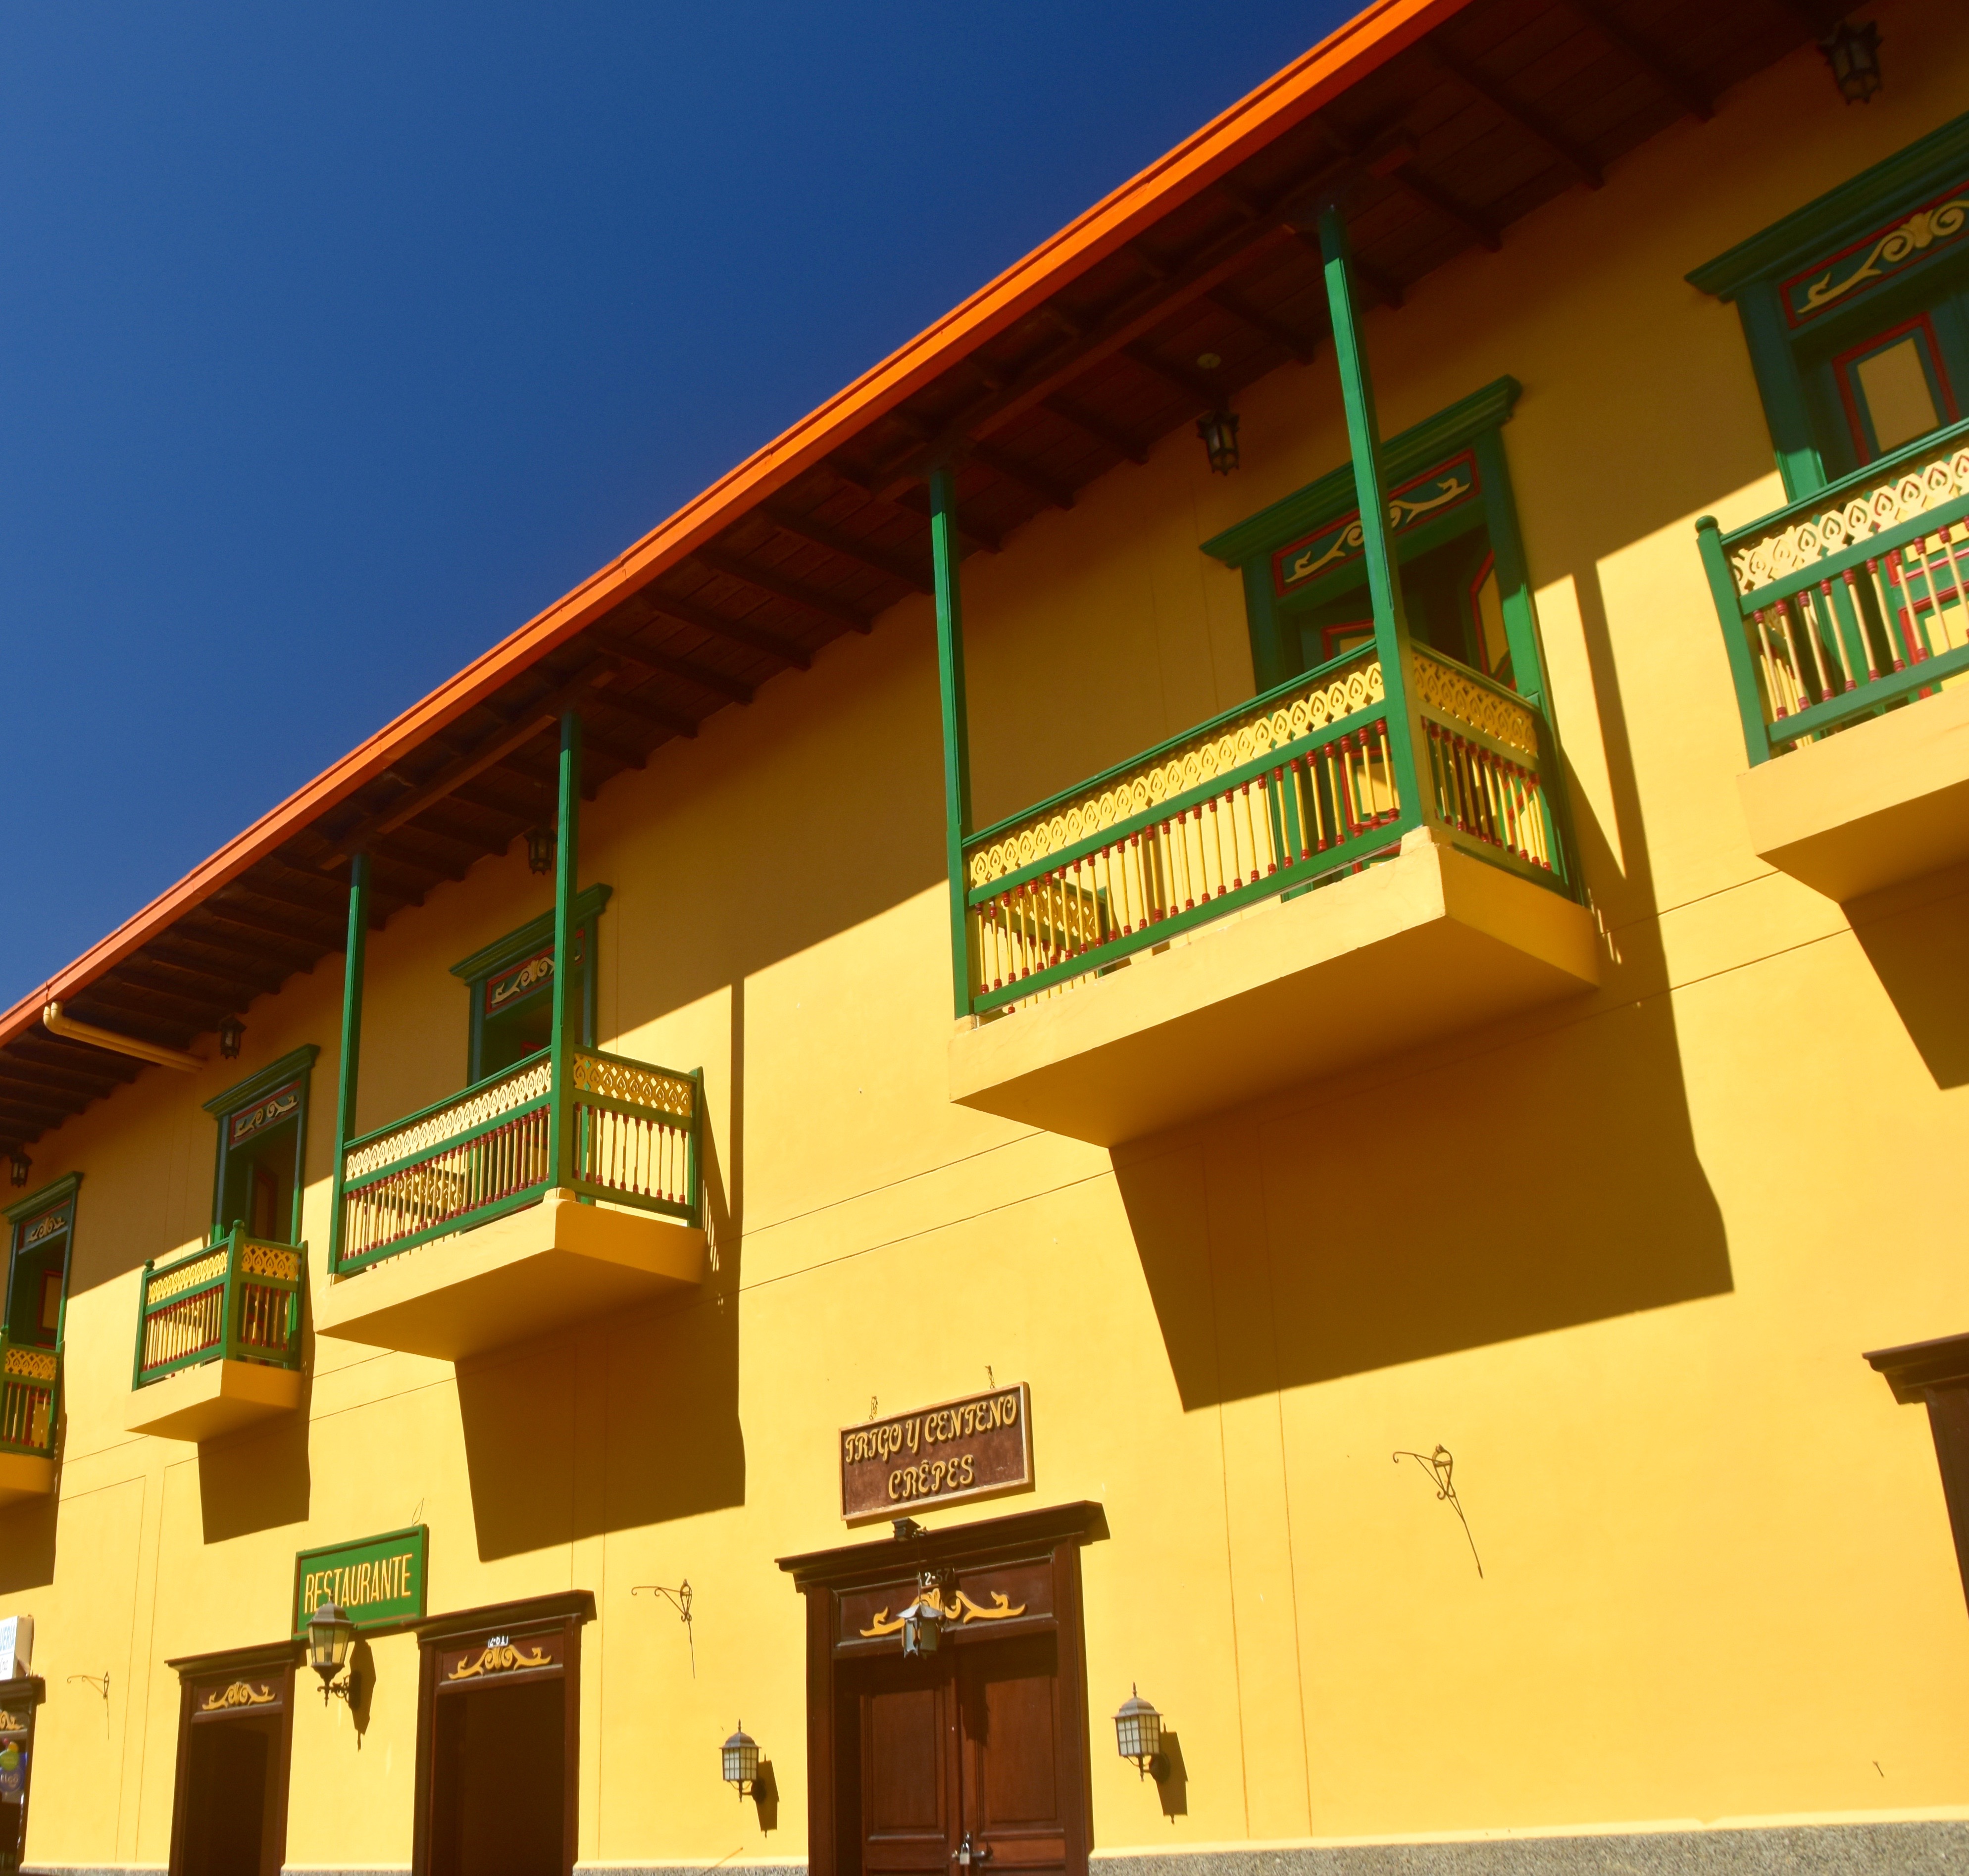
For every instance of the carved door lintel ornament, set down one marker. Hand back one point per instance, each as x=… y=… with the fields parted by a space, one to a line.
x=240 y=1693
x=953 y=1605
x=499 y=1657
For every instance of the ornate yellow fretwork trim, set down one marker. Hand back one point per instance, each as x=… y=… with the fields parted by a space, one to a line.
x=1921 y=229
x=434 y=1129
x=1451 y=694
x=30 y=1364
x=500 y=1658
x=239 y=1694
x=1790 y=549
x=960 y=1608
x=270 y=1260
x=187 y=1277
x=632 y=1082
x=1214 y=756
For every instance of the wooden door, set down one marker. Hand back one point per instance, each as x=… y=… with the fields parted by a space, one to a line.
x=1011 y=1802
x=962 y=1747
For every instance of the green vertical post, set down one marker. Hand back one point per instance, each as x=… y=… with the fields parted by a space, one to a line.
x=947 y=553
x=1775 y=361
x=566 y=1015
x=351 y=1042
x=1363 y=443
x=1736 y=641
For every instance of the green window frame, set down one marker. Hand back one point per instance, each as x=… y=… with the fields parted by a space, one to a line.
x=505 y=981
x=40 y=1238
x=1878 y=266
x=263 y=1135
x=1303 y=568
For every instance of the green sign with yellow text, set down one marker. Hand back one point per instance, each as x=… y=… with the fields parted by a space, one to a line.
x=379 y=1582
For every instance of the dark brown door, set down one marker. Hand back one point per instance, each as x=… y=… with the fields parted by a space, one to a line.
x=499 y=1795
x=229 y=1803
x=1008 y=1723
x=961 y=1750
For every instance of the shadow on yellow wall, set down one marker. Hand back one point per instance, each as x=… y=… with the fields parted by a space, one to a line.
x=1915 y=937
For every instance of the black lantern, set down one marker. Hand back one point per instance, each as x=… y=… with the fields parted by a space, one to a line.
x=231 y=1032
x=19 y=1166
x=330 y=1634
x=1219 y=432
x=740 y=1754
x=540 y=844
x=1854 y=53
x=1138 y=1735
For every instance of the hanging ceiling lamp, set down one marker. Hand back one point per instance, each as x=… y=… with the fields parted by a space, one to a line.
x=1854 y=53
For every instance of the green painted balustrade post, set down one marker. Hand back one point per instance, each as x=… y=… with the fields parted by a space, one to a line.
x=1736 y=643
x=947 y=551
x=566 y=1018
x=229 y=1304
x=143 y=1318
x=1405 y=736
x=352 y=1040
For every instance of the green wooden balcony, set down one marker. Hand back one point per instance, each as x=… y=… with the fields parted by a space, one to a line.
x=219 y=1338
x=30 y=1400
x=532 y=1199
x=1845 y=615
x=1444 y=899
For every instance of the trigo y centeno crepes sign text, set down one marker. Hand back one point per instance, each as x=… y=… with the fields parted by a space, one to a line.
x=938 y=1455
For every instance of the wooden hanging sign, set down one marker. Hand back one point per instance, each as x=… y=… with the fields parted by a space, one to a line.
x=972 y=1448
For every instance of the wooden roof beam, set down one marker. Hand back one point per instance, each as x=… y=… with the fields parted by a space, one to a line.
x=908 y=573
x=1302 y=346
x=1130 y=449
x=242 y=918
x=618 y=645
x=154 y=965
x=1419 y=188
x=647 y=710
x=1534 y=123
x=794 y=592
x=1007 y=466
x=732 y=631
x=521 y=727
x=36 y=1077
x=1178 y=377
x=1683 y=87
x=40 y=1046
x=1137 y=312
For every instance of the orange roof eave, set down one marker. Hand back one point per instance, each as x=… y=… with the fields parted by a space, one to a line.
x=1364 y=42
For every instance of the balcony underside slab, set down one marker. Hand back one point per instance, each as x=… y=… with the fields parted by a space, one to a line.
x=23 y=1476
x=526 y=1274
x=1425 y=944
x=1886 y=800
x=214 y=1397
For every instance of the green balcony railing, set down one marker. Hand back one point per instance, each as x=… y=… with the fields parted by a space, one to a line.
x=1295 y=788
x=30 y=1385
x=1848 y=602
x=626 y=1131
x=237 y=1299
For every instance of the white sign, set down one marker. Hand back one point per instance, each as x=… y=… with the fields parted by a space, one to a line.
x=17 y=1646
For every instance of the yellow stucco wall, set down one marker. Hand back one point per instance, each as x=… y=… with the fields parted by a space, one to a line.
x=1620 y=1257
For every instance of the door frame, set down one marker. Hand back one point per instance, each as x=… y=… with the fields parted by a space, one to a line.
x=556 y=1620
x=268 y=1668
x=827 y=1578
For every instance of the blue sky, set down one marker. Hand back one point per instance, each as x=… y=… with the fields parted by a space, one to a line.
x=336 y=341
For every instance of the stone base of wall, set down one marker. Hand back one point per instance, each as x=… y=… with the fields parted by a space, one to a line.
x=1934 y=1848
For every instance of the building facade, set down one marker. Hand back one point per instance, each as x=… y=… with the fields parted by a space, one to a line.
x=1056 y=1051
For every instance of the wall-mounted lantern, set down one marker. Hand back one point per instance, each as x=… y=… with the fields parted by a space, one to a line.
x=740 y=1756
x=330 y=1634
x=232 y=1032
x=922 y=1621
x=1138 y=1736
x=540 y=843
x=19 y=1166
x=1854 y=53
x=1219 y=432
